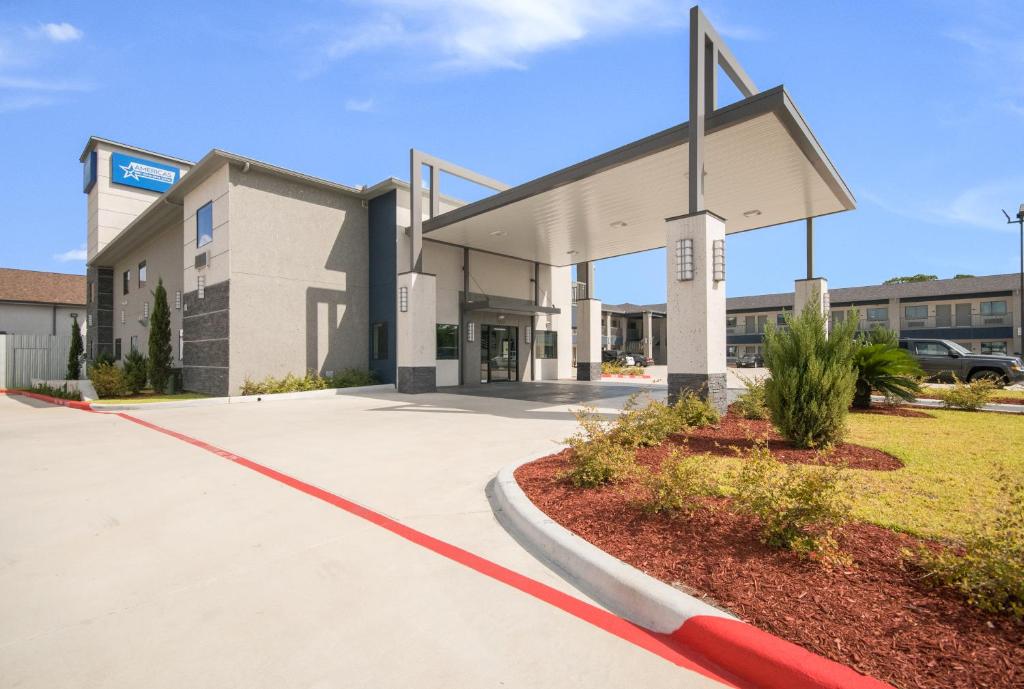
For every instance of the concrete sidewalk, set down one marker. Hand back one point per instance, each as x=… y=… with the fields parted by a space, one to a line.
x=129 y=558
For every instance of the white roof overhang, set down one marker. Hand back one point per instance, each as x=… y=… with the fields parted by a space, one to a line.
x=763 y=167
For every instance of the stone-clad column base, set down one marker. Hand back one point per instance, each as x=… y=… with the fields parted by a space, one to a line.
x=417 y=379
x=588 y=371
x=707 y=386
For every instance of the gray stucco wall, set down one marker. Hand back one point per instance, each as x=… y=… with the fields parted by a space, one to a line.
x=299 y=273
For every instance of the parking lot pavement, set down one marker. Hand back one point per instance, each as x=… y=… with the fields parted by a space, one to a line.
x=130 y=558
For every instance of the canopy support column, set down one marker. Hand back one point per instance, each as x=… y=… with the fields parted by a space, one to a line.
x=695 y=316
x=588 y=339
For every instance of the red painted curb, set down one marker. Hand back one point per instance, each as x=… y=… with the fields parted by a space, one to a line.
x=84 y=406
x=766 y=660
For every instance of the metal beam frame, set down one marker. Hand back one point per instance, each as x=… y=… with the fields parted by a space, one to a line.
x=707 y=52
x=417 y=159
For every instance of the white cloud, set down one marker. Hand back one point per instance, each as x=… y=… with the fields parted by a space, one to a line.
x=360 y=105
x=61 y=33
x=71 y=255
x=30 y=84
x=482 y=34
x=978 y=206
x=23 y=102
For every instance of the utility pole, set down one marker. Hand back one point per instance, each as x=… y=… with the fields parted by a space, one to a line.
x=1020 y=309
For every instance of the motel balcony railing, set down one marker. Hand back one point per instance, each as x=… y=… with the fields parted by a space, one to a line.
x=976 y=320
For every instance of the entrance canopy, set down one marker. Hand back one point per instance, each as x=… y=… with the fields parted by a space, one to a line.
x=762 y=167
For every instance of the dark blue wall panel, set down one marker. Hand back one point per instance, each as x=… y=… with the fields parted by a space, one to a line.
x=383 y=215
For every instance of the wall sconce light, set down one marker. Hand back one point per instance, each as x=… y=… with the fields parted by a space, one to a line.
x=403 y=299
x=201 y=287
x=718 y=259
x=684 y=259
x=529 y=334
x=177 y=300
x=122 y=316
x=470 y=331
x=145 y=309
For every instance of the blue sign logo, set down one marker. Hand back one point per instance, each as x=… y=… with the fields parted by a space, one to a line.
x=139 y=172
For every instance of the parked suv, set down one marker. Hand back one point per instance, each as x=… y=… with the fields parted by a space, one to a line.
x=942 y=359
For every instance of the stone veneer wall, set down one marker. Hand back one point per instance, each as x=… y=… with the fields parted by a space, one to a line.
x=206 y=328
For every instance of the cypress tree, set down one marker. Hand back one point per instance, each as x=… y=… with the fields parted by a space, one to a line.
x=75 y=353
x=159 y=340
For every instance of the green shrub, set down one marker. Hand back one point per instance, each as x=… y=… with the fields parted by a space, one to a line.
x=695 y=412
x=597 y=458
x=75 y=351
x=886 y=368
x=290 y=383
x=989 y=570
x=62 y=392
x=681 y=482
x=352 y=378
x=970 y=396
x=135 y=371
x=644 y=426
x=812 y=378
x=613 y=368
x=798 y=506
x=751 y=403
x=109 y=380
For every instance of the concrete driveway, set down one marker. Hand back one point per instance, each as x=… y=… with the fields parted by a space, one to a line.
x=133 y=558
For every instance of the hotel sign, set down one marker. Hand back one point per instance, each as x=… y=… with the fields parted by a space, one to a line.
x=139 y=172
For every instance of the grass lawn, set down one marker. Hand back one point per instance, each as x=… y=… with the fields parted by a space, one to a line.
x=947 y=485
x=145 y=397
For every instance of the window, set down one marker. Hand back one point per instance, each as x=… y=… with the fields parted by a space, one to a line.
x=838 y=317
x=762 y=321
x=546 y=344
x=730 y=350
x=915 y=312
x=993 y=347
x=379 y=344
x=135 y=343
x=993 y=308
x=447 y=341
x=142 y=274
x=880 y=313
x=204 y=225
x=930 y=349
x=780 y=318
x=117 y=349
x=126 y=280
x=730 y=321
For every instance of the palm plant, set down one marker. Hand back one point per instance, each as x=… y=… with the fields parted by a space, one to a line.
x=884 y=367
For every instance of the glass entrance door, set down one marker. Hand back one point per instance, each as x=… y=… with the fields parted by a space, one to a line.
x=499 y=353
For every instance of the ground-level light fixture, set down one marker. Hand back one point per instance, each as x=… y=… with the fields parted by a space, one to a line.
x=403 y=299
x=470 y=331
x=529 y=334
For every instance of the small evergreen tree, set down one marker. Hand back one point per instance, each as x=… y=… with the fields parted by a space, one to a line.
x=75 y=353
x=159 y=340
x=135 y=371
x=812 y=377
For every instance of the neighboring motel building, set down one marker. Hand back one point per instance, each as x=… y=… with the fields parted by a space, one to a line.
x=976 y=312
x=271 y=271
x=39 y=303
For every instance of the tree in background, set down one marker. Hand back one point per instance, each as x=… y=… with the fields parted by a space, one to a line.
x=75 y=353
x=960 y=276
x=159 y=340
x=902 y=279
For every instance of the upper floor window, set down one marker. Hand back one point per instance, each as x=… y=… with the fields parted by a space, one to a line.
x=142 y=274
x=126 y=281
x=993 y=308
x=730 y=321
x=915 y=311
x=780 y=318
x=880 y=313
x=204 y=225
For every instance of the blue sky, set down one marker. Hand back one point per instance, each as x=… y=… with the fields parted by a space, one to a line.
x=919 y=104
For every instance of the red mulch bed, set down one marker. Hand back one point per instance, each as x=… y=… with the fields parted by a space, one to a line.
x=735 y=434
x=876 y=615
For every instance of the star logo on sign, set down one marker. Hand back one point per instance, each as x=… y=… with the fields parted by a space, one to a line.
x=130 y=171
